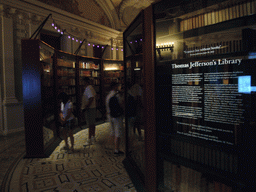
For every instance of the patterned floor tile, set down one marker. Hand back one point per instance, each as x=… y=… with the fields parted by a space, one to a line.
x=91 y=168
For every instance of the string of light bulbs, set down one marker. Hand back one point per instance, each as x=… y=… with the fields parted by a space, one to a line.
x=73 y=37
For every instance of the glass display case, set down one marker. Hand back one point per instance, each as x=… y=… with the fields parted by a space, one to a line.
x=46 y=73
x=39 y=98
x=204 y=74
x=133 y=64
x=48 y=93
x=198 y=64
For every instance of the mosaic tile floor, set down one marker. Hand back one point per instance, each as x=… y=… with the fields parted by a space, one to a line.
x=90 y=168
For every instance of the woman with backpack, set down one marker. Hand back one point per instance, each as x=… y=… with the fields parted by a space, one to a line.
x=114 y=107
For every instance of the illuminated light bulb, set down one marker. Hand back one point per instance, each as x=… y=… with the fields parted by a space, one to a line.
x=112 y=49
x=117 y=49
x=98 y=46
x=69 y=37
x=140 y=39
x=55 y=28
x=61 y=33
x=122 y=50
x=73 y=38
x=93 y=45
x=89 y=44
x=58 y=30
x=77 y=40
x=53 y=24
x=81 y=41
x=102 y=47
x=131 y=42
x=135 y=41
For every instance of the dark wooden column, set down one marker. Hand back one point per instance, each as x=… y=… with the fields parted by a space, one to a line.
x=31 y=80
x=149 y=99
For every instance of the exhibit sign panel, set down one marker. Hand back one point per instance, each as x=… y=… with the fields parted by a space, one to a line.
x=209 y=98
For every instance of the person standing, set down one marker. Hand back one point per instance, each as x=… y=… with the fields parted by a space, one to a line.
x=67 y=119
x=116 y=121
x=136 y=92
x=89 y=109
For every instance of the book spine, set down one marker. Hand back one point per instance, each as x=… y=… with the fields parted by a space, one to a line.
x=205 y=19
x=223 y=13
x=241 y=10
x=182 y=25
x=237 y=11
x=185 y=24
x=209 y=18
x=253 y=4
x=194 y=22
x=220 y=15
x=234 y=11
x=230 y=10
x=217 y=16
x=197 y=21
x=249 y=8
x=245 y=9
x=200 y=20
x=190 y=21
x=226 y=14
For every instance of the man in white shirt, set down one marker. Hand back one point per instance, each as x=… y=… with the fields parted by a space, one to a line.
x=89 y=109
x=116 y=122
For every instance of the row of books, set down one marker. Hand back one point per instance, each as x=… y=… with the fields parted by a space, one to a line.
x=109 y=80
x=113 y=74
x=66 y=63
x=93 y=81
x=66 y=82
x=213 y=49
x=88 y=65
x=182 y=179
x=217 y=16
x=65 y=72
x=210 y=157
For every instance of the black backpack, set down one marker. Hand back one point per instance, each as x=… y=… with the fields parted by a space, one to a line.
x=131 y=108
x=115 y=109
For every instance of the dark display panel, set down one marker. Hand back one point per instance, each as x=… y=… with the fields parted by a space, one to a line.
x=205 y=86
x=206 y=101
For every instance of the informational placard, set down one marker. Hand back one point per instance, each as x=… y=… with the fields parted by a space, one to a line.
x=208 y=98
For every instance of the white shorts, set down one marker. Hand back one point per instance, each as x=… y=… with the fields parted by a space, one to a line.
x=116 y=126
